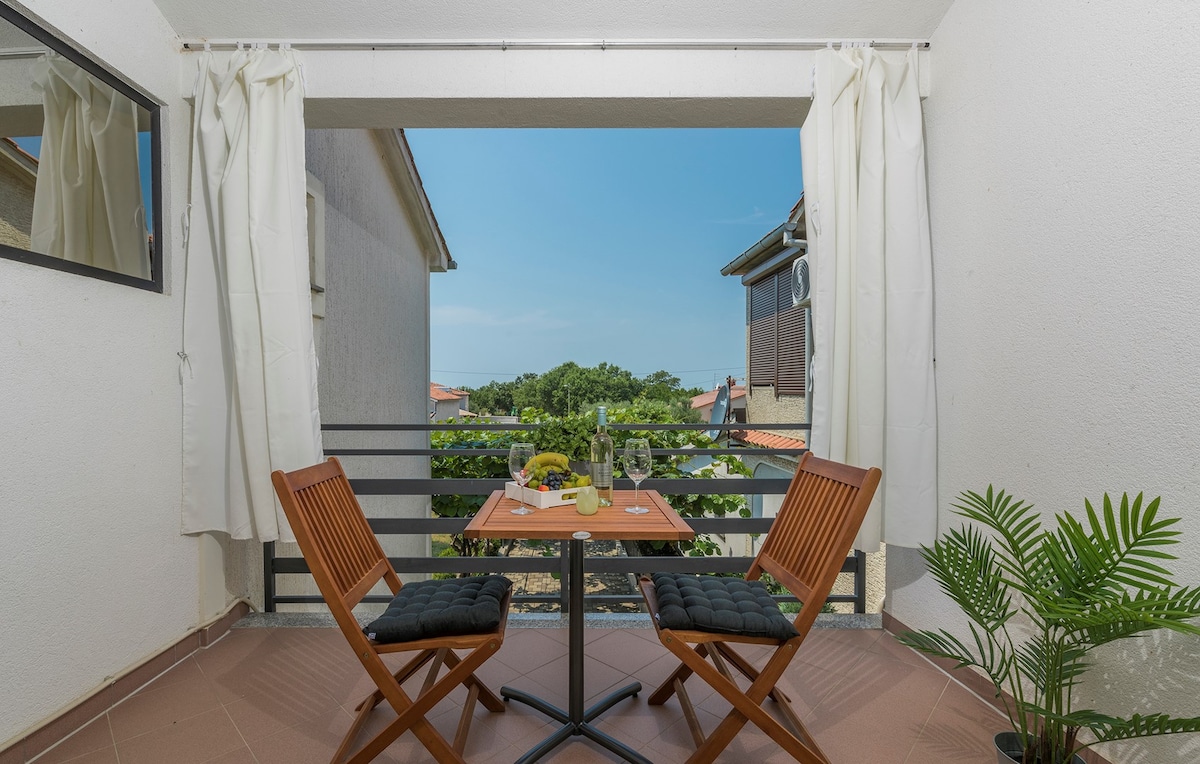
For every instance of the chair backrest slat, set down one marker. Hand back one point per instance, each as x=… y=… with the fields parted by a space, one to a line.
x=814 y=530
x=341 y=550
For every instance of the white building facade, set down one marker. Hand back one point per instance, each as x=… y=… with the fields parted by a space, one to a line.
x=1065 y=344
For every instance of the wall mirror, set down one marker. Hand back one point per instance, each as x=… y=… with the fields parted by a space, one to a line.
x=79 y=162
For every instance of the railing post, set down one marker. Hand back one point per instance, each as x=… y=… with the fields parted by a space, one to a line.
x=860 y=581
x=269 y=576
x=564 y=561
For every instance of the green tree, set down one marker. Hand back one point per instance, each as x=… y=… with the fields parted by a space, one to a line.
x=571 y=386
x=498 y=398
x=661 y=386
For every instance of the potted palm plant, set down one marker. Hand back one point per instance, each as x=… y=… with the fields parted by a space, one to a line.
x=1038 y=602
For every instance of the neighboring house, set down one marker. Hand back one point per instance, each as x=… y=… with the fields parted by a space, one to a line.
x=776 y=339
x=448 y=403
x=778 y=354
x=703 y=404
x=1021 y=175
x=18 y=176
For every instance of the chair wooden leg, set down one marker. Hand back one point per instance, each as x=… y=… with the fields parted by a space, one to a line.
x=490 y=700
x=746 y=706
x=402 y=675
x=464 y=721
x=667 y=688
x=689 y=713
x=750 y=672
x=411 y=714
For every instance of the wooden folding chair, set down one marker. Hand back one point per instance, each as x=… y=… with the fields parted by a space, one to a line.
x=809 y=540
x=441 y=616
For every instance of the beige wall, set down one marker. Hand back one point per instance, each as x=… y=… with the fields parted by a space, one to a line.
x=91 y=429
x=16 y=204
x=763 y=406
x=1046 y=119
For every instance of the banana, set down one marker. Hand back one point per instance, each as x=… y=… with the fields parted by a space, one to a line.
x=548 y=459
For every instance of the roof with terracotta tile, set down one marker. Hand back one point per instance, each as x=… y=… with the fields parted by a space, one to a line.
x=443 y=393
x=709 y=398
x=766 y=439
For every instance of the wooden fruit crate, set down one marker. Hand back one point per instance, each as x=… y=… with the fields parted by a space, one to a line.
x=540 y=499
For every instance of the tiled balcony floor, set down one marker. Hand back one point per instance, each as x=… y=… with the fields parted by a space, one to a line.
x=270 y=695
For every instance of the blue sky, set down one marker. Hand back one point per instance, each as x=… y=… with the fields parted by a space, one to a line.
x=598 y=245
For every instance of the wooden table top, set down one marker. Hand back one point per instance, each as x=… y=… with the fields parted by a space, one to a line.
x=495 y=520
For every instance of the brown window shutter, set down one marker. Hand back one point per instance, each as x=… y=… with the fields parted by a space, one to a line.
x=763 y=302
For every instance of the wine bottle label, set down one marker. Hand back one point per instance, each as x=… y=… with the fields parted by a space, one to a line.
x=602 y=474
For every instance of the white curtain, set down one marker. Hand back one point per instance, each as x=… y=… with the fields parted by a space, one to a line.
x=863 y=151
x=249 y=366
x=87 y=205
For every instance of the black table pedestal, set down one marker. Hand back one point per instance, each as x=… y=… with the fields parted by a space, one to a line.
x=577 y=720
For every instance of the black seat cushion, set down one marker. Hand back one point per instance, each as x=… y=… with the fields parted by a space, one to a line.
x=428 y=609
x=719 y=605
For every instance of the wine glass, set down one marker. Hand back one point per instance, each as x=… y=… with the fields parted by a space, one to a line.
x=518 y=456
x=637 y=463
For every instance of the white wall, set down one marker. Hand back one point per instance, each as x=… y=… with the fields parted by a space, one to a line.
x=94 y=576
x=1064 y=200
x=375 y=360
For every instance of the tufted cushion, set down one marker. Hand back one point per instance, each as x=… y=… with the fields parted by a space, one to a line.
x=429 y=609
x=720 y=606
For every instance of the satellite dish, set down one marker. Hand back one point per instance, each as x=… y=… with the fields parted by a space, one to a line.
x=719 y=409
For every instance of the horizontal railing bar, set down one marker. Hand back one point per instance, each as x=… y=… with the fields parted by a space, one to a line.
x=484 y=486
x=445 y=564
x=731 y=524
x=389 y=526
x=399 y=526
x=471 y=452
x=429 y=427
x=482 y=565
x=502 y=426
x=475 y=565
x=520 y=599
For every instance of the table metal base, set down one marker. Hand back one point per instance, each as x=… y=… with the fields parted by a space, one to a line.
x=576 y=720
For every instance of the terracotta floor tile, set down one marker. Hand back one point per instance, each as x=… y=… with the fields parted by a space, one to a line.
x=94 y=737
x=528 y=649
x=891 y=699
x=157 y=707
x=258 y=715
x=625 y=651
x=238 y=756
x=597 y=676
x=314 y=741
x=191 y=741
x=267 y=696
x=103 y=756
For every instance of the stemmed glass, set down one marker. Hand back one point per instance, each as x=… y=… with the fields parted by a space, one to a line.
x=637 y=463
x=518 y=456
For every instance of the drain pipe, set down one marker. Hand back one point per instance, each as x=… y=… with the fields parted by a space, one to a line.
x=788 y=241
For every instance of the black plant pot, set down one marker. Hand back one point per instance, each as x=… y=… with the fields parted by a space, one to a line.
x=1010 y=749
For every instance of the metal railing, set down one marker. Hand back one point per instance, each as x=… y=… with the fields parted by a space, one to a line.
x=274 y=565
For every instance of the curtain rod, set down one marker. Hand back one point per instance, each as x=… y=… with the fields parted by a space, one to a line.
x=663 y=44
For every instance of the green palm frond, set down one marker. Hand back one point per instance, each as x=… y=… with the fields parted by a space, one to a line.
x=1049 y=664
x=965 y=566
x=1081 y=585
x=1015 y=523
x=1107 y=728
x=990 y=655
x=1112 y=552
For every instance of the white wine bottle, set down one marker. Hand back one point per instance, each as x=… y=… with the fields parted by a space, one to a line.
x=601 y=459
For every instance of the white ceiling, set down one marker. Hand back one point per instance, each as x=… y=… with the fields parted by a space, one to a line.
x=553 y=19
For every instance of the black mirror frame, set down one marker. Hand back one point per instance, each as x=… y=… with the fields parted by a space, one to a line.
x=155 y=282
